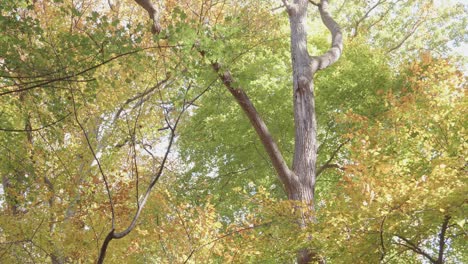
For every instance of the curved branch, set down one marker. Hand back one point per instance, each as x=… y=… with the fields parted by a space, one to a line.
x=105 y=244
x=407 y=36
x=140 y=204
x=334 y=53
x=415 y=248
x=118 y=235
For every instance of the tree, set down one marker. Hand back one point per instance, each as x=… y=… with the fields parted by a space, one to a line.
x=403 y=185
x=89 y=98
x=299 y=182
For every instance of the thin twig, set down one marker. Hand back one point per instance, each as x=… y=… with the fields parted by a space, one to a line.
x=223 y=236
x=415 y=248
x=35 y=129
x=68 y=77
x=332 y=156
x=88 y=142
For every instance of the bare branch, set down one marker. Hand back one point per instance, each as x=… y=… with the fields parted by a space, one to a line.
x=285 y=174
x=111 y=6
x=415 y=248
x=132 y=132
x=276 y=8
x=40 y=83
x=407 y=36
x=112 y=234
x=140 y=96
x=141 y=203
x=442 y=241
x=88 y=142
x=384 y=14
x=153 y=13
x=366 y=15
x=334 y=53
x=224 y=236
x=342 y=6
x=314 y=3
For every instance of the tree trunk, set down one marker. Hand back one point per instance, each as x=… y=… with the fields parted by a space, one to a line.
x=304 y=67
x=305 y=150
x=299 y=182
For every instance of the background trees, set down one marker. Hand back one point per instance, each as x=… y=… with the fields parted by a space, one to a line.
x=81 y=75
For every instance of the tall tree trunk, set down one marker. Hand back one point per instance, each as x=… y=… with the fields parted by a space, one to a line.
x=305 y=149
x=304 y=67
x=299 y=182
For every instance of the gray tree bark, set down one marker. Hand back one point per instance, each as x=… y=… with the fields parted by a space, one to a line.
x=304 y=68
x=153 y=14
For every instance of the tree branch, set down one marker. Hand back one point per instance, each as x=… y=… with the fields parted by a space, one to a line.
x=68 y=78
x=415 y=248
x=442 y=241
x=88 y=142
x=224 y=236
x=332 y=156
x=286 y=4
x=112 y=234
x=334 y=53
x=285 y=174
x=139 y=96
x=153 y=13
x=172 y=127
x=366 y=15
x=383 y=15
x=407 y=36
x=314 y=3
x=35 y=129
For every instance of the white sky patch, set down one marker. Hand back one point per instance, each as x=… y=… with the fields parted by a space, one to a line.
x=98 y=156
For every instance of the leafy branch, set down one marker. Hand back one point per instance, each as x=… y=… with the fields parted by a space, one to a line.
x=36 y=129
x=328 y=164
x=141 y=202
x=40 y=83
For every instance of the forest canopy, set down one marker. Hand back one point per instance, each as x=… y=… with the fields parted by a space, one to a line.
x=219 y=131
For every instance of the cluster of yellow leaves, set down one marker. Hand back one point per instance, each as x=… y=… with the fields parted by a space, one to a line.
x=407 y=170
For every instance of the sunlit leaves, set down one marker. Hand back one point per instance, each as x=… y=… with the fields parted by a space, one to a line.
x=407 y=169
x=399 y=173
